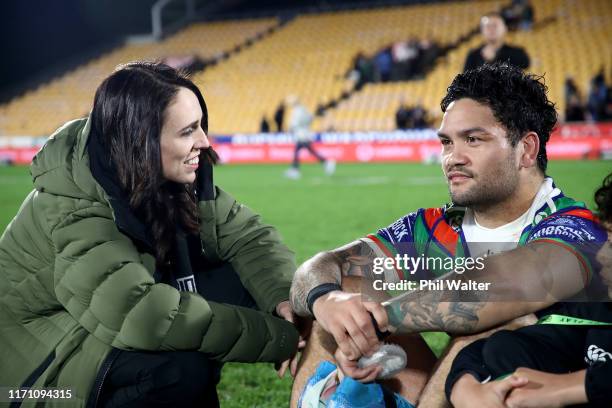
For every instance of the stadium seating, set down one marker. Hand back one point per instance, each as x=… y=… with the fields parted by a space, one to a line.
x=575 y=42
x=310 y=56
x=578 y=43
x=42 y=110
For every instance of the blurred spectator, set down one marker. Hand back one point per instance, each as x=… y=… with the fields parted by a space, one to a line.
x=598 y=98
x=574 y=108
x=299 y=125
x=363 y=70
x=429 y=51
x=404 y=55
x=419 y=117
x=494 y=49
x=401 y=61
x=264 y=126
x=411 y=117
x=383 y=62
x=518 y=15
x=279 y=115
x=402 y=116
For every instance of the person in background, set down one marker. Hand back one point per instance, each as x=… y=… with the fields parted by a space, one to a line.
x=300 y=121
x=597 y=103
x=264 y=126
x=518 y=15
x=383 y=62
x=279 y=116
x=574 y=109
x=402 y=116
x=407 y=117
x=494 y=49
x=362 y=70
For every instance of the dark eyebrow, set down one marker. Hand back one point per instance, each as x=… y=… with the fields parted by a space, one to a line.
x=193 y=124
x=474 y=130
x=465 y=132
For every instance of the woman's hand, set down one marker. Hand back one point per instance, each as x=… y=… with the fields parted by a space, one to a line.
x=284 y=310
x=467 y=390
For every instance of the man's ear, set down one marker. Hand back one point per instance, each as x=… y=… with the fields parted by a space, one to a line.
x=530 y=147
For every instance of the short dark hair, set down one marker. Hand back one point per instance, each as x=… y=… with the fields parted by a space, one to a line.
x=603 y=199
x=518 y=101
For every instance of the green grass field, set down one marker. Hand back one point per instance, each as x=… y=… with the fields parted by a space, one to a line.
x=319 y=212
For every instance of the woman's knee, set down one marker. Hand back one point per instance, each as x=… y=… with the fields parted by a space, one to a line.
x=184 y=376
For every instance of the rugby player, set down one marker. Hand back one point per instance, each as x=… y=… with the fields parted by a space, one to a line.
x=496 y=123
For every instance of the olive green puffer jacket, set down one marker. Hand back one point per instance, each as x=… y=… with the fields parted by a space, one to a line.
x=74 y=288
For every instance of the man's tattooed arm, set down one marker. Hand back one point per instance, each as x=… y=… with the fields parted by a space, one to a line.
x=522 y=281
x=354 y=259
x=434 y=311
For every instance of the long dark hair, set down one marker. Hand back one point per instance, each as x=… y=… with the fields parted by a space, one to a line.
x=127 y=119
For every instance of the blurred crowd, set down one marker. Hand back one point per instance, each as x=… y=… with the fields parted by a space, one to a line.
x=518 y=15
x=414 y=57
x=400 y=61
x=411 y=117
x=596 y=107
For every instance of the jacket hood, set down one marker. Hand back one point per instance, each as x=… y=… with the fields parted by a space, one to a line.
x=61 y=167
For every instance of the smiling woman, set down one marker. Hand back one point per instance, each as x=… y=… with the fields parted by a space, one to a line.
x=127 y=276
x=181 y=144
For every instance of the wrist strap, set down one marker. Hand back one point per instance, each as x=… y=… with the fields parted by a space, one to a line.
x=319 y=291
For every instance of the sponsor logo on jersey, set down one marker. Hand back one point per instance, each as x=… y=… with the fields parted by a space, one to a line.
x=558 y=231
x=399 y=230
x=596 y=355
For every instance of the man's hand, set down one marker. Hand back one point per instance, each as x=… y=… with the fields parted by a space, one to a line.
x=467 y=391
x=546 y=390
x=349 y=367
x=346 y=317
x=285 y=311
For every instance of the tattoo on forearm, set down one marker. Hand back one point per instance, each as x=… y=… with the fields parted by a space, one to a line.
x=436 y=311
x=354 y=259
x=323 y=268
x=357 y=260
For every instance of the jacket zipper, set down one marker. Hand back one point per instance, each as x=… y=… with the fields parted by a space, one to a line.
x=108 y=362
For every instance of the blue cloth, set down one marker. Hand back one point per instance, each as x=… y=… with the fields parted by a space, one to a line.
x=351 y=393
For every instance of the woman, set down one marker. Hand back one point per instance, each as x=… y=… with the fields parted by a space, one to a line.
x=127 y=277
